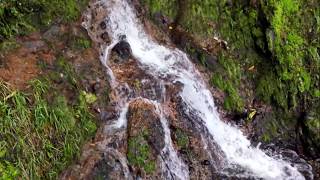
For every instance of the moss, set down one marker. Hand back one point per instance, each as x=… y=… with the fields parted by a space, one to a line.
x=67 y=72
x=8 y=45
x=167 y=7
x=140 y=154
x=19 y=17
x=80 y=43
x=228 y=80
x=182 y=139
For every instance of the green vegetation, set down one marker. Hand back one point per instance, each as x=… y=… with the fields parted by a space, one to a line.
x=228 y=79
x=7 y=46
x=42 y=130
x=80 y=43
x=182 y=139
x=139 y=153
x=167 y=7
x=19 y=17
x=274 y=51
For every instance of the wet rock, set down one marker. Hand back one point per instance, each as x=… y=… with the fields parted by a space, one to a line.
x=206 y=163
x=105 y=37
x=161 y=19
x=52 y=33
x=123 y=49
x=34 y=46
x=109 y=167
x=211 y=61
x=103 y=25
x=122 y=37
x=203 y=162
x=312 y=133
x=145 y=139
x=108 y=115
x=142 y=116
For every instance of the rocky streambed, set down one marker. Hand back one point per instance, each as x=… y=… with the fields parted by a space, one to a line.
x=162 y=122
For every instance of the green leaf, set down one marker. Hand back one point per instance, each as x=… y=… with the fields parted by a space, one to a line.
x=90 y=98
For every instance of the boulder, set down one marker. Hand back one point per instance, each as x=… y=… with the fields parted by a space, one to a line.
x=145 y=139
x=123 y=49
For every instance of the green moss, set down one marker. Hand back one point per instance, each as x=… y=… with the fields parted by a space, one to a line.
x=8 y=45
x=167 y=7
x=227 y=79
x=279 y=37
x=19 y=17
x=80 y=43
x=66 y=70
x=139 y=153
x=182 y=139
x=218 y=81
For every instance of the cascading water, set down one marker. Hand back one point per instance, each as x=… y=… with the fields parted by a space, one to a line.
x=172 y=65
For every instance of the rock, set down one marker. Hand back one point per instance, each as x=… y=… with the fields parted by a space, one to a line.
x=105 y=37
x=103 y=25
x=145 y=139
x=206 y=163
x=34 y=46
x=142 y=116
x=108 y=115
x=109 y=167
x=122 y=37
x=52 y=33
x=123 y=49
x=212 y=61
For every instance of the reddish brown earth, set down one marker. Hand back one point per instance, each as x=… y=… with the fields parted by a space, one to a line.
x=21 y=64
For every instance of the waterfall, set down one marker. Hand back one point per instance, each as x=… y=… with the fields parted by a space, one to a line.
x=172 y=65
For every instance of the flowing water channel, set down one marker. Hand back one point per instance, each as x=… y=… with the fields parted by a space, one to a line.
x=170 y=66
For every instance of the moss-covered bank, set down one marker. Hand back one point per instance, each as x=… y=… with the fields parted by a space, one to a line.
x=272 y=56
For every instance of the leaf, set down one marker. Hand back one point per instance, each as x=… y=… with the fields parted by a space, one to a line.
x=251 y=68
x=252 y=114
x=90 y=98
x=2 y=152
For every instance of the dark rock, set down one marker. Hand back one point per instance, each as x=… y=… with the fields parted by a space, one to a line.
x=34 y=45
x=206 y=163
x=109 y=167
x=96 y=87
x=105 y=37
x=103 y=25
x=142 y=116
x=123 y=49
x=211 y=61
x=110 y=115
x=122 y=37
x=229 y=3
x=52 y=33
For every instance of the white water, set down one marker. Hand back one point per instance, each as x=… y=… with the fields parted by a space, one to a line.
x=163 y=62
x=177 y=167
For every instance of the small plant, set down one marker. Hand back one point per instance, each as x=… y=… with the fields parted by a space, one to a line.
x=182 y=139
x=139 y=153
x=41 y=135
x=81 y=43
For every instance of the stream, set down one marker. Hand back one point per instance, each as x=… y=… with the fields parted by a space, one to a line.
x=230 y=152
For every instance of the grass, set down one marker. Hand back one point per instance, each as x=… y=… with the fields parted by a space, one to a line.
x=80 y=43
x=42 y=130
x=20 y=17
x=182 y=139
x=8 y=45
x=139 y=153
